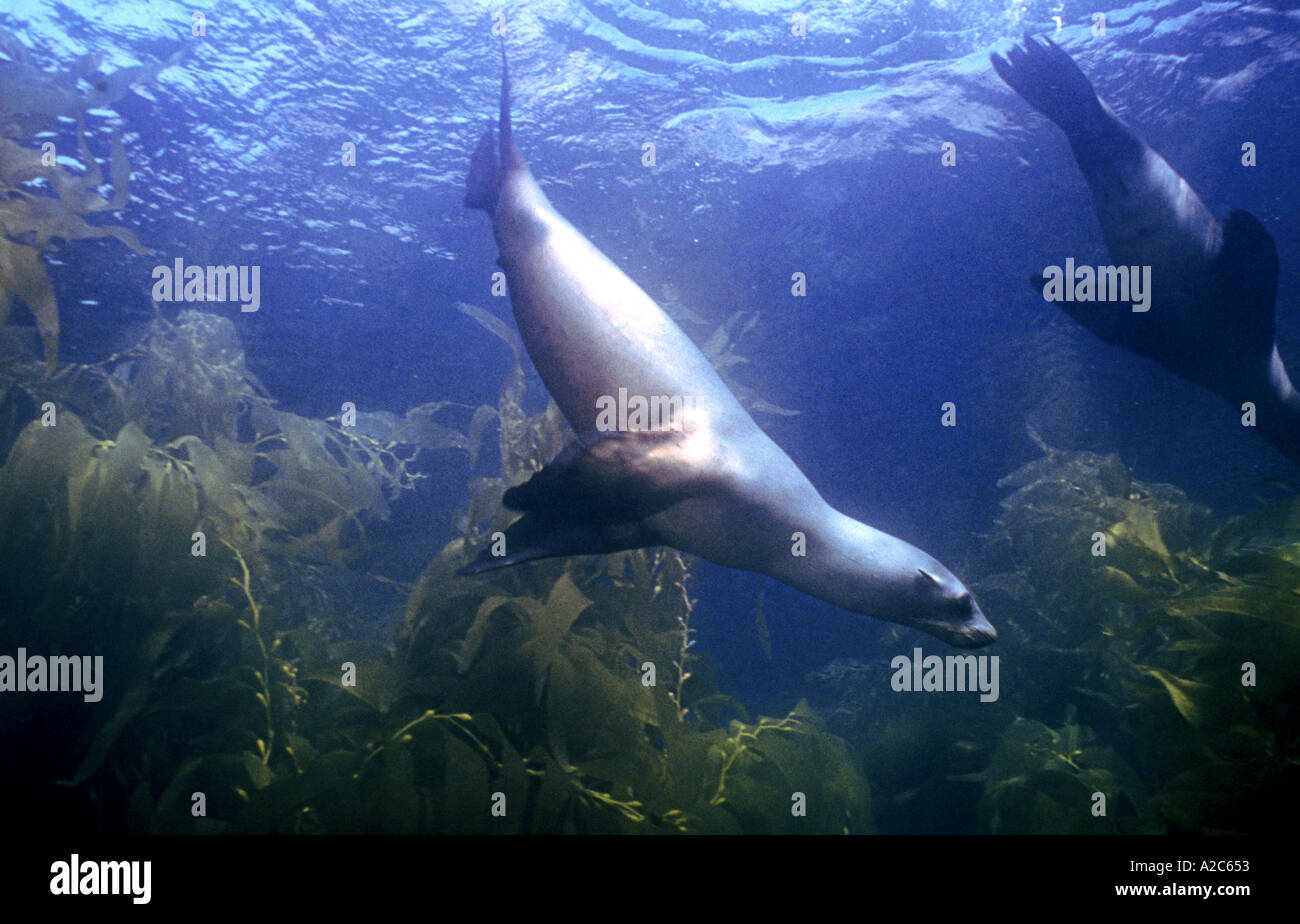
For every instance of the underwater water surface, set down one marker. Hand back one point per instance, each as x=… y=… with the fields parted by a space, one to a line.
x=252 y=508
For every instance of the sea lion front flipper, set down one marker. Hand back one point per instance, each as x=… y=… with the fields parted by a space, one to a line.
x=592 y=498
x=1247 y=267
x=1048 y=79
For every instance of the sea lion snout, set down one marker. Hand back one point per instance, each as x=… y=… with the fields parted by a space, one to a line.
x=972 y=631
x=975 y=632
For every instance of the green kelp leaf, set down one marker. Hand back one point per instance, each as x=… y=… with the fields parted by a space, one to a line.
x=1121 y=586
x=483 y=415
x=420 y=429
x=28 y=222
x=495 y=325
x=1188 y=696
x=640 y=566
x=244 y=515
x=552 y=622
x=213 y=476
x=715 y=346
x=720 y=351
x=1120 y=777
x=477 y=631
x=1217 y=796
x=325 y=483
x=99 y=496
x=1067 y=788
x=398 y=807
x=23 y=275
x=762 y=765
x=461 y=789
x=1276 y=566
x=1246 y=744
x=190 y=378
x=208 y=696
x=315 y=478
x=1141 y=527
x=45 y=218
x=614 y=746
x=226 y=780
x=119 y=174
x=42 y=456
x=564 y=605
x=107 y=734
x=236 y=458
x=1026 y=746
x=1191 y=646
x=1046 y=802
x=1253 y=602
x=750 y=400
x=377 y=682
x=259 y=774
x=715 y=702
x=17 y=409
x=328 y=779
x=169 y=508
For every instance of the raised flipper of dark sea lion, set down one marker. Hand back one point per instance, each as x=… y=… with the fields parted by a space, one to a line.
x=1213 y=286
x=717 y=486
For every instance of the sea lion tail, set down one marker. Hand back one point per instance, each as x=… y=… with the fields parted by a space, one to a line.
x=1048 y=79
x=485 y=167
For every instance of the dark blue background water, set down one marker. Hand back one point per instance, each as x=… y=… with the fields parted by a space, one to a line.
x=775 y=154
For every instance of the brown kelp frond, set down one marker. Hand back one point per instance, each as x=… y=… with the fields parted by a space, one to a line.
x=41 y=201
x=1042 y=780
x=198 y=537
x=1173 y=632
x=29 y=220
x=720 y=350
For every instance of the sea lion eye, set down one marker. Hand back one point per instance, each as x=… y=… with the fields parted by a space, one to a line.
x=964 y=602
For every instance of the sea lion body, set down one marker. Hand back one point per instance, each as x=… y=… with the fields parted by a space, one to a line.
x=1213 y=285
x=717 y=487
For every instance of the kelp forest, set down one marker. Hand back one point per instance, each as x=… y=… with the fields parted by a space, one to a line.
x=160 y=509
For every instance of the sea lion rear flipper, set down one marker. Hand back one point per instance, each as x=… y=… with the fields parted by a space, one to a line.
x=1247 y=267
x=592 y=498
x=490 y=163
x=481 y=184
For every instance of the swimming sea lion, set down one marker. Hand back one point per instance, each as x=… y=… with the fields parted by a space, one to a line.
x=1210 y=318
x=717 y=486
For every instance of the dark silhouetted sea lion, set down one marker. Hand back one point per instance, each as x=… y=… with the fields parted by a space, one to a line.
x=1213 y=285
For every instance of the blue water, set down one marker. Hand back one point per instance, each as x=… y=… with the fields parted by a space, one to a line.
x=774 y=154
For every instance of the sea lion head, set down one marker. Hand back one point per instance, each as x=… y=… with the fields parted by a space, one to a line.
x=940 y=604
x=863 y=570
